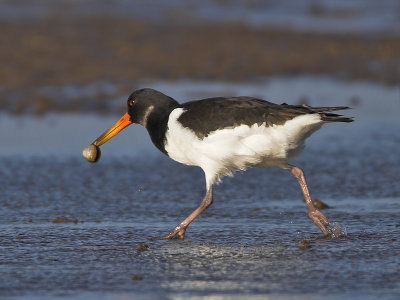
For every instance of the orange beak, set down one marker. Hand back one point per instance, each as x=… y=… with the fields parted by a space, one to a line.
x=113 y=130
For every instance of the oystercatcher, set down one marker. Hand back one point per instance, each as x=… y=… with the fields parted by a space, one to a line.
x=222 y=135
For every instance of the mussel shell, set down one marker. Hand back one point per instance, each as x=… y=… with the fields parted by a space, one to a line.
x=91 y=153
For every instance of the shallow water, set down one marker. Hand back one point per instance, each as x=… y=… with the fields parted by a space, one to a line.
x=249 y=243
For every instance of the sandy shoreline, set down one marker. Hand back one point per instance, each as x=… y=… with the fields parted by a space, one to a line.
x=53 y=52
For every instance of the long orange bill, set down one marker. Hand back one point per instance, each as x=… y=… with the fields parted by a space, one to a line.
x=113 y=130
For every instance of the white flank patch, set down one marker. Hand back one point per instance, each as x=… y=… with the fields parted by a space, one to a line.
x=224 y=151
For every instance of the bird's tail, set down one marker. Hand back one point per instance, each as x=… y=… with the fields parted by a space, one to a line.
x=328 y=117
x=325 y=108
x=323 y=111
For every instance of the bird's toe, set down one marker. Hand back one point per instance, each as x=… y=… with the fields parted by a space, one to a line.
x=173 y=235
x=320 y=220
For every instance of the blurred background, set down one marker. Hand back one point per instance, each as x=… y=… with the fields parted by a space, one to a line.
x=85 y=57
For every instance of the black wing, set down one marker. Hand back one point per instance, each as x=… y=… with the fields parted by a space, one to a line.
x=208 y=115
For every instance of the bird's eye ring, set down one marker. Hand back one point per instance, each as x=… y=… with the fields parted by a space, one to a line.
x=131 y=102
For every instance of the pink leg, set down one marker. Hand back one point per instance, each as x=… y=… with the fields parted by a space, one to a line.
x=318 y=218
x=179 y=231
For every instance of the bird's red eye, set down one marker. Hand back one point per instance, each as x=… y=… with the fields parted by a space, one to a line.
x=131 y=102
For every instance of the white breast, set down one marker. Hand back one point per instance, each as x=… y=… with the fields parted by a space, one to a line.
x=227 y=150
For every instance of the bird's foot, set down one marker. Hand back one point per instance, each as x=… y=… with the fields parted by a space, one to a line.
x=320 y=220
x=178 y=233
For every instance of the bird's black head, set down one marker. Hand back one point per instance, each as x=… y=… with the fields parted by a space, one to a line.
x=147 y=107
x=145 y=104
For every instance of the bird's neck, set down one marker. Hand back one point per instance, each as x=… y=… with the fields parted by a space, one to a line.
x=157 y=125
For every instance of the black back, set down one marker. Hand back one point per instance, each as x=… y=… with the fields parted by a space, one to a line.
x=208 y=115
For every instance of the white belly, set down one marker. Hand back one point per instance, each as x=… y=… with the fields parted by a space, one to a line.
x=225 y=151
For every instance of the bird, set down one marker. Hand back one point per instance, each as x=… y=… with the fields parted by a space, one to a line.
x=222 y=135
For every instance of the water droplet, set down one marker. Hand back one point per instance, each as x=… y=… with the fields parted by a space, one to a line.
x=336 y=231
